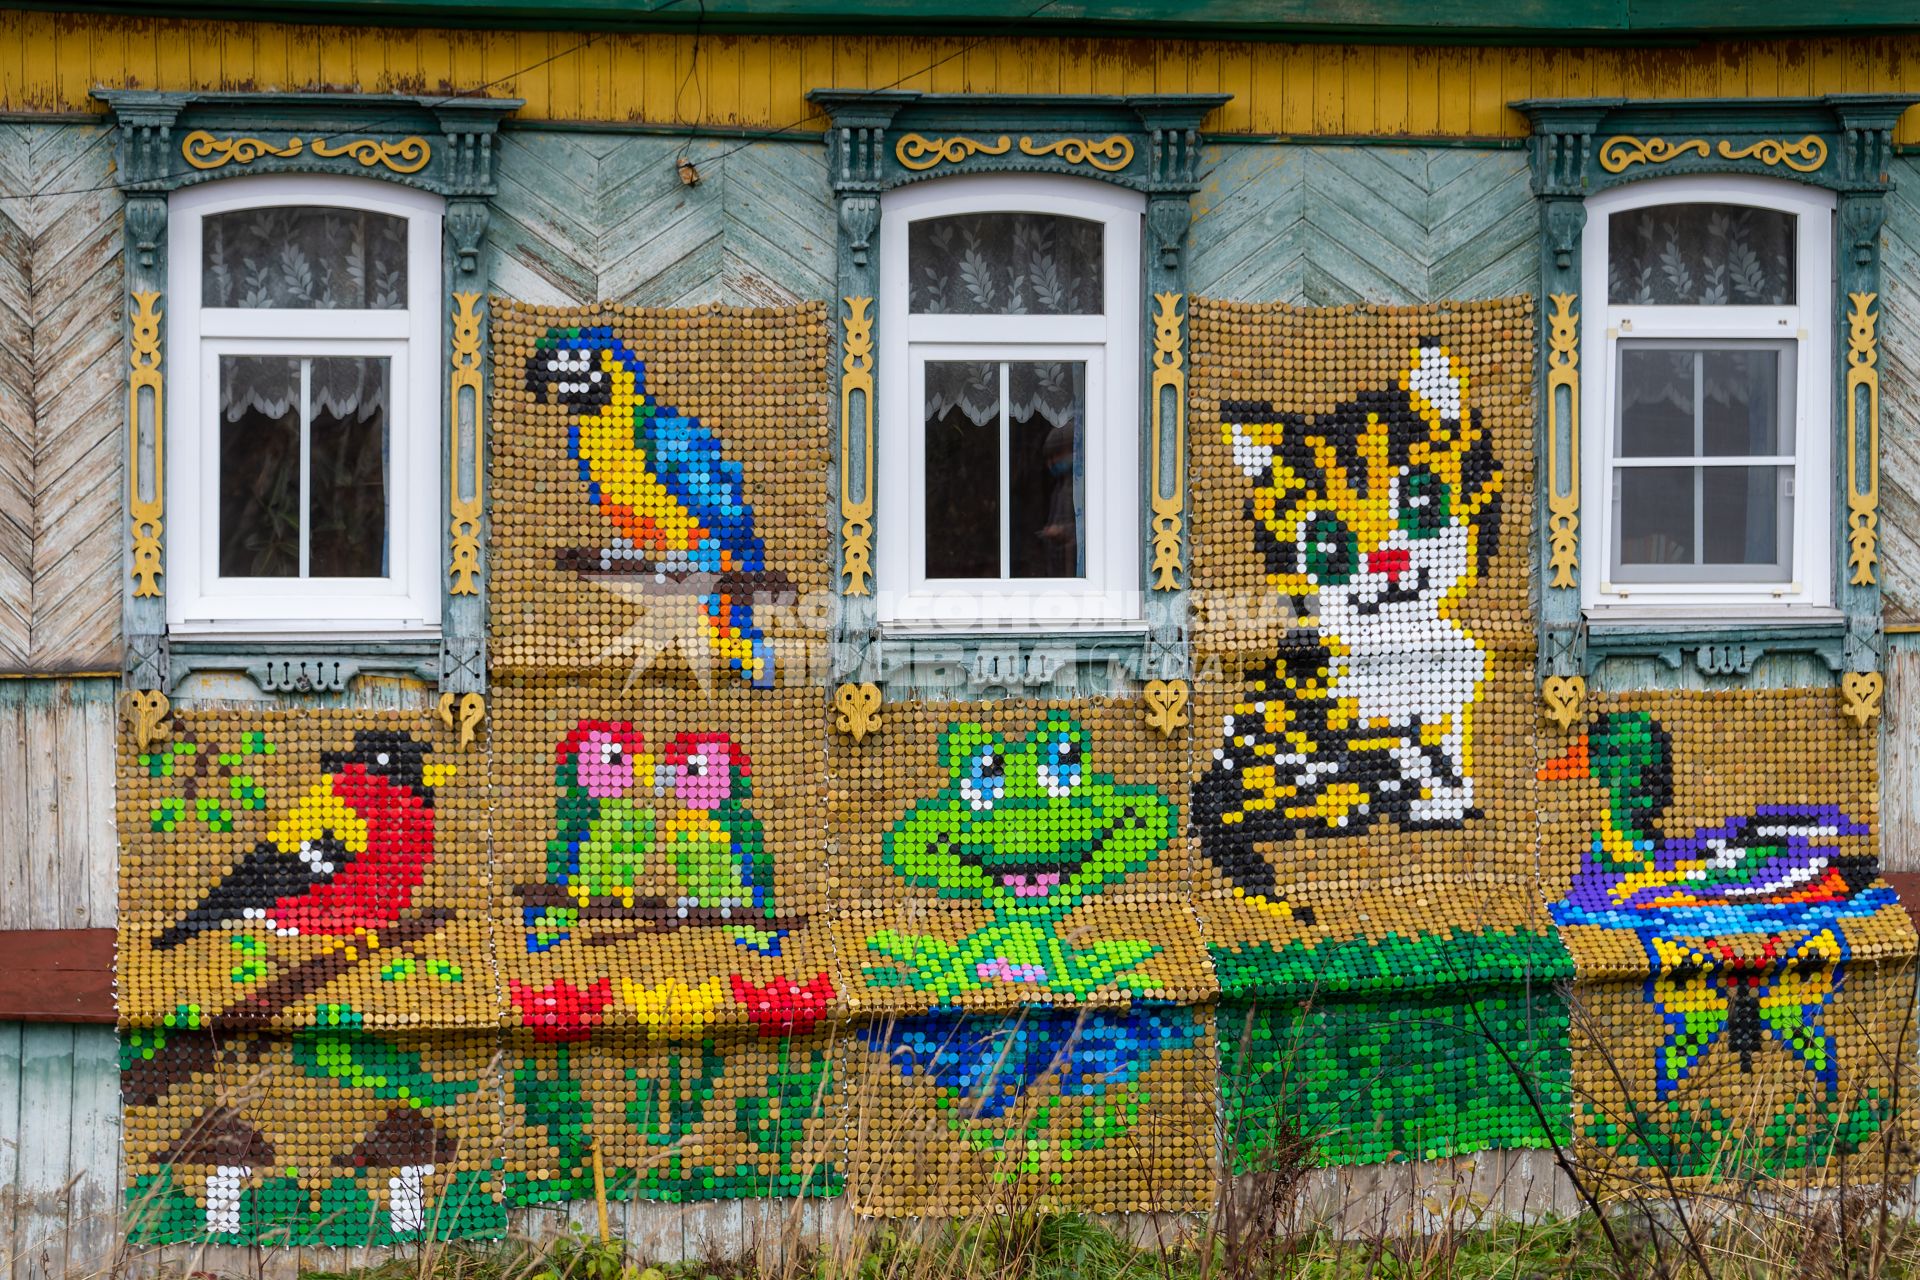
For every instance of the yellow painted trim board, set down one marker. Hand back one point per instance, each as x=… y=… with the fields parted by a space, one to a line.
x=50 y=62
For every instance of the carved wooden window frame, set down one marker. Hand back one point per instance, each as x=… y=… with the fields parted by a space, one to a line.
x=880 y=140
x=442 y=146
x=1840 y=142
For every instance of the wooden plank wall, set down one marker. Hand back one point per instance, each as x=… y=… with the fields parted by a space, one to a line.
x=62 y=388
x=59 y=1150
x=51 y=62
x=57 y=850
x=1899 y=333
x=1327 y=225
x=586 y=217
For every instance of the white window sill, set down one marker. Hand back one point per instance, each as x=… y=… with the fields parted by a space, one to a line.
x=972 y=629
x=301 y=632
x=1690 y=618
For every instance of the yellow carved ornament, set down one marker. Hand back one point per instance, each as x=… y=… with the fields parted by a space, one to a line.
x=464 y=450
x=1564 y=698
x=856 y=516
x=1860 y=694
x=1109 y=155
x=204 y=150
x=1803 y=156
x=1169 y=360
x=919 y=153
x=1166 y=705
x=146 y=711
x=472 y=708
x=1621 y=153
x=1863 y=474
x=857 y=709
x=146 y=496
x=1563 y=494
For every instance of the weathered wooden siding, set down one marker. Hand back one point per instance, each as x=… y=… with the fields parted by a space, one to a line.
x=62 y=381
x=1322 y=225
x=1900 y=398
x=57 y=851
x=59 y=1150
x=53 y=60
x=586 y=217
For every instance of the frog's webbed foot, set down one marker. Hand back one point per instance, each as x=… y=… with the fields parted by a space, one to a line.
x=1100 y=962
x=927 y=957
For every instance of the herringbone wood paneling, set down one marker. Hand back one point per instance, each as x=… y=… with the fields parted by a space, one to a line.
x=1327 y=225
x=1899 y=332
x=61 y=380
x=586 y=217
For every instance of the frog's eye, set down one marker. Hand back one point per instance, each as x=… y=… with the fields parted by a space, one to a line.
x=1060 y=764
x=983 y=779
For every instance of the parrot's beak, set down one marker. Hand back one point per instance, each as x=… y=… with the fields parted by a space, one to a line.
x=1573 y=763
x=435 y=774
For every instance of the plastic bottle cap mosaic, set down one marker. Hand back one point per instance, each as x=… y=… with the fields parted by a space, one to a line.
x=375 y=986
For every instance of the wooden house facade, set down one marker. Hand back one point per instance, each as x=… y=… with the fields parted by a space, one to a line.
x=755 y=610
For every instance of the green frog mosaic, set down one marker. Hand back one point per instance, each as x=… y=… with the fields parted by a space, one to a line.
x=1028 y=830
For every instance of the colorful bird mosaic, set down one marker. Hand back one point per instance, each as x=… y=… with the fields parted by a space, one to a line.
x=659 y=476
x=604 y=825
x=1777 y=856
x=1741 y=921
x=713 y=842
x=347 y=857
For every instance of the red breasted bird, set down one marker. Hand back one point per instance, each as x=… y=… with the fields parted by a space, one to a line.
x=347 y=857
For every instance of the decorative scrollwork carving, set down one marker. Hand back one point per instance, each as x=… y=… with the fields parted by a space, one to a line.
x=1803 y=156
x=473 y=709
x=146 y=711
x=1169 y=360
x=1863 y=475
x=204 y=150
x=857 y=708
x=856 y=515
x=1564 y=698
x=1563 y=498
x=463 y=451
x=1621 y=153
x=1860 y=694
x=408 y=155
x=919 y=153
x=146 y=500
x=1166 y=705
x=1110 y=155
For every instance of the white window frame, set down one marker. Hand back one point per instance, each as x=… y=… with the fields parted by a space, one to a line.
x=1809 y=322
x=199 y=600
x=1109 y=597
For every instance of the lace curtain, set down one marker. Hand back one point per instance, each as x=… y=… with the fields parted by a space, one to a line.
x=305 y=257
x=1007 y=264
x=1700 y=255
x=1050 y=390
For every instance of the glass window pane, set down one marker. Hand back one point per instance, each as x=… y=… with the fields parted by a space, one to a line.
x=1011 y=264
x=1047 y=479
x=1700 y=255
x=305 y=257
x=1656 y=402
x=1654 y=516
x=347 y=485
x=962 y=420
x=1741 y=403
x=1745 y=518
x=259 y=534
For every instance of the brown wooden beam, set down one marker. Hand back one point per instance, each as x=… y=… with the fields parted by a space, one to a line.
x=56 y=975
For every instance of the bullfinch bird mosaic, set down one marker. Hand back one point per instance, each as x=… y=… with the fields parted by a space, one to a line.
x=603 y=825
x=712 y=840
x=346 y=857
x=677 y=505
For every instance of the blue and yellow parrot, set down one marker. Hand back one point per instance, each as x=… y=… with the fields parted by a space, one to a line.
x=658 y=475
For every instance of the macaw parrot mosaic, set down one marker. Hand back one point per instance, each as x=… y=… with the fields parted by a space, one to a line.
x=678 y=506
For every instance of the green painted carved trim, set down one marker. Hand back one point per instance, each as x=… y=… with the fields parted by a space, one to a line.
x=1841 y=142
x=442 y=145
x=877 y=141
